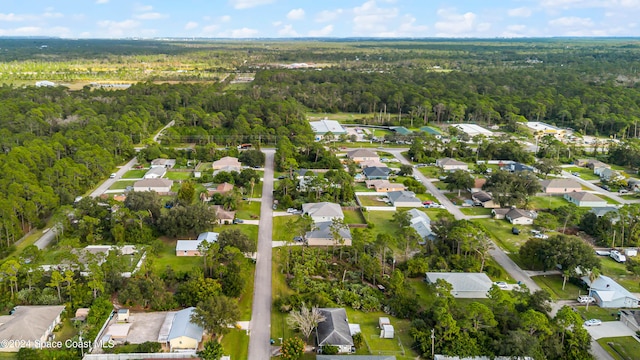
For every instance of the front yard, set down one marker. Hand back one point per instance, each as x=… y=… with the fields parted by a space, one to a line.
x=619 y=273
x=553 y=284
x=586 y=174
x=122 y=184
x=178 y=175
x=622 y=348
x=476 y=210
x=373 y=200
x=547 y=202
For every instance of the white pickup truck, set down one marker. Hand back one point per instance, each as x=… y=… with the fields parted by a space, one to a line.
x=617 y=256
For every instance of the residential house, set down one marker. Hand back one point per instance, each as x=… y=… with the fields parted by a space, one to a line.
x=188 y=247
x=26 y=325
x=404 y=199
x=360 y=155
x=610 y=175
x=449 y=164
x=421 y=223
x=485 y=199
x=631 y=318
x=223 y=216
x=161 y=186
x=602 y=211
x=585 y=199
x=464 y=285
x=322 y=127
x=165 y=163
x=633 y=184
x=514 y=216
x=355 y=357
x=596 y=165
x=302 y=173
x=323 y=211
x=545 y=129
x=609 y=294
x=321 y=234
x=208 y=236
x=155 y=173
x=184 y=334
x=227 y=163
x=223 y=189
x=560 y=186
x=334 y=330
x=376 y=173
x=384 y=185
x=371 y=163
x=518 y=167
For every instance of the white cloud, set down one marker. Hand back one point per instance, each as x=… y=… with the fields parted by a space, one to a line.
x=571 y=21
x=520 y=12
x=151 y=16
x=36 y=31
x=371 y=20
x=102 y=1
x=454 y=24
x=210 y=29
x=288 y=31
x=325 y=31
x=239 y=33
x=225 y=18
x=296 y=14
x=190 y=25
x=142 y=8
x=327 y=15
x=118 y=28
x=247 y=4
x=49 y=14
x=12 y=17
x=276 y=23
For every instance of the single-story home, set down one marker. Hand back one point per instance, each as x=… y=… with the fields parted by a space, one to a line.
x=334 y=330
x=184 y=334
x=322 y=127
x=599 y=169
x=165 y=163
x=560 y=186
x=518 y=167
x=223 y=216
x=404 y=199
x=81 y=314
x=514 y=216
x=376 y=173
x=485 y=199
x=371 y=163
x=610 y=175
x=449 y=164
x=593 y=164
x=464 y=285
x=585 y=199
x=161 y=186
x=360 y=155
x=28 y=323
x=321 y=234
x=155 y=173
x=188 y=247
x=220 y=189
x=384 y=185
x=323 y=211
x=602 y=211
x=421 y=223
x=225 y=162
x=631 y=318
x=609 y=294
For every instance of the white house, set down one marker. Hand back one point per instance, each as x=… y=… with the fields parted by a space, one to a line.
x=514 y=216
x=184 y=335
x=464 y=285
x=155 y=172
x=610 y=294
x=421 y=223
x=449 y=164
x=165 y=163
x=323 y=211
x=161 y=186
x=322 y=127
x=404 y=199
x=585 y=199
x=28 y=324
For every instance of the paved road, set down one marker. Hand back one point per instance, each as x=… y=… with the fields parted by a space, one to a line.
x=260 y=327
x=157 y=136
x=107 y=183
x=598 y=189
x=498 y=254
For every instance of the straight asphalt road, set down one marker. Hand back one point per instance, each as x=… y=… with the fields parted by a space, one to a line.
x=260 y=326
x=498 y=254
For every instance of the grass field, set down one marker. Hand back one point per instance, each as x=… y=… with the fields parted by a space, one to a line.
x=353 y=217
x=621 y=348
x=586 y=174
x=361 y=187
x=236 y=344
x=248 y=210
x=247 y=295
x=619 y=273
x=476 y=210
x=596 y=312
x=340 y=116
x=134 y=174
x=500 y=231
x=279 y=288
x=547 y=202
x=382 y=222
x=400 y=346
x=179 y=175
x=553 y=284
x=431 y=172
x=441 y=185
x=122 y=184
x=426 y=196
x=167 y=257
x=280 y=231
x=371 y=200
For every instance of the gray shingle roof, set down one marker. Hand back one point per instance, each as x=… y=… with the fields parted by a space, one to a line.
x=335 y=329
x=28 y=322
x=323 y=209
x=376 y=171
x=402 y=196
x=584 y=196
x=322 y=230
x=361 y=153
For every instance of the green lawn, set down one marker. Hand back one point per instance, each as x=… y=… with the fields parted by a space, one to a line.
x=340 y=116
x=382 y=222
x=622 y=348
x=236 y=344
x=500 y=231
x=353 y=217
x=134 y=174
x=635 y=196
x=476 y=210
x=619 y=273
x=122 y=184
x=280 y=232
x=431 y=172
x=167 y=257
x=586 y=174
x=596 y=312
x=279 y=287
x=248 y=210
x=250 y=230
x=547 y=202
x=426 y=196
x=361 y=187
x=247 y=295
x=179 y=175
x=371 y=200
x=553 y=284
x=441 y=185
x=67 y=331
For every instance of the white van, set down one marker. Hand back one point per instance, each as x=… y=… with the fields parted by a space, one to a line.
x=617 y=256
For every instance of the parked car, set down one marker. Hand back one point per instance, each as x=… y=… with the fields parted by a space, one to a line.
x=623 y=191
x=298 y=238
x=292 y=210
x=576 y=174
x=515 y=231
x=593 y=322
x=238 y=221
x=584 y=299
x=501 y=284
x=112 y=176
x=275 y=207
x=617 y=256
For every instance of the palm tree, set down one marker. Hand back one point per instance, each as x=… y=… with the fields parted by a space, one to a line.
x=593 y=275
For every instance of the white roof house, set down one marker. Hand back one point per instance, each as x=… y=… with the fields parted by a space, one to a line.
x=188 y=245
x=166 y=163
x=323 y=211
x=473 y=130
x=544 y=128
x=585 y=199
x=465 y=285
x=157 y=185
x=324 y=126
x=184 y=334
x=209 y=236
x=155 y=172
x=609 y=294
x=29 y=323
x=421 y=223
x=227 y=162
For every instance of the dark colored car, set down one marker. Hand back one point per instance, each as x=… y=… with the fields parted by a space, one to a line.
x=515 y=231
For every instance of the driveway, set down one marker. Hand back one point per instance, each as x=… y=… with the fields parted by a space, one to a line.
x=500 y=256
x=260 y=326
x=609 y=329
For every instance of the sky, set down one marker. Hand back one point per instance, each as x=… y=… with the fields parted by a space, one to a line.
x=318 y=18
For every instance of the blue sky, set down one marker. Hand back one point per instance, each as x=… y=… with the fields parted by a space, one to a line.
x=319 y=18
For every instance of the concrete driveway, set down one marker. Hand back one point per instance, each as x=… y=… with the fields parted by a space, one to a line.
x=609 y=329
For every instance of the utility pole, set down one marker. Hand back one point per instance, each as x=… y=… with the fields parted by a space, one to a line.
x=433 y=343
